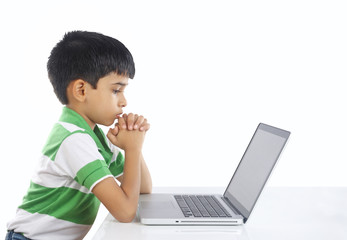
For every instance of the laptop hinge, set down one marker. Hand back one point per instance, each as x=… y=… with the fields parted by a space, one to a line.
x=227 y=202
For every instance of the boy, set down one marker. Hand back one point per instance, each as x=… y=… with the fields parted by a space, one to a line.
x=89 y=73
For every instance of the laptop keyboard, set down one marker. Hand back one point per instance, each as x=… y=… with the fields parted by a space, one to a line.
x=201 y=206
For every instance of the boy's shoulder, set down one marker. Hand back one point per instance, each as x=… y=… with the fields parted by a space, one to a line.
x=63 y=131
x=72 y=128
x=69 y=123
x=72 y=131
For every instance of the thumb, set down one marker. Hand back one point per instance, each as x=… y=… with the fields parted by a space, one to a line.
x=112 y=135
x=115 y=130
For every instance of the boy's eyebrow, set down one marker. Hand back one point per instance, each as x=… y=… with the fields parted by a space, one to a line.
x=120 y=83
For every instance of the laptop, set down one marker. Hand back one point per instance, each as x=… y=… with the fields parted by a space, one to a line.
x=234 y=207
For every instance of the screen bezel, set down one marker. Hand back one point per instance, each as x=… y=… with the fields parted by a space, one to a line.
x=236 y=204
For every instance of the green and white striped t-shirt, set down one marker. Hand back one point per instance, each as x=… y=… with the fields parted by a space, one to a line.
x=59 y=203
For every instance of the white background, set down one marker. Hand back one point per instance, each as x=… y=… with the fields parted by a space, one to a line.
x=207 y=72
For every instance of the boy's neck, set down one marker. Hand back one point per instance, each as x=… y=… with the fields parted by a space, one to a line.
x=80 y=112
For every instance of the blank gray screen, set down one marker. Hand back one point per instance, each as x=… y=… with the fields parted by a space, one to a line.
x=255 y=167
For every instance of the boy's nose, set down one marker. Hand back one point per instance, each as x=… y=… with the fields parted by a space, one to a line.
x=123 y=102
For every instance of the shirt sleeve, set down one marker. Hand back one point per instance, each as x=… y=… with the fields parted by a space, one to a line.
x=79 y=157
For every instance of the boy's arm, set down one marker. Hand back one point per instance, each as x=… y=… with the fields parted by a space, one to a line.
x=121 y=201
x=135 y=122
x=146 y=179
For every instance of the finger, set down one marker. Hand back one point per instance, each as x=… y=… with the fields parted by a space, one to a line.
x=145 y=126
x=122 y=123
x=111 y=137
x=125 y=116
x=115 y=130
x=130 y=121
x=139 y=122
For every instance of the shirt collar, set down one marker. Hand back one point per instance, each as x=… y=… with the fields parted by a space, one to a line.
x=70 y=116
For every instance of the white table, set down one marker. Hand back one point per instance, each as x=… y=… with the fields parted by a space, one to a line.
x=281 y=213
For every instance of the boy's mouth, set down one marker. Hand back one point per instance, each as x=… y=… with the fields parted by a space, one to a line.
x=119 y=115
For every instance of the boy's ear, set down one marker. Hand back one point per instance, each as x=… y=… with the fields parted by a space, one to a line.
x=78 y=90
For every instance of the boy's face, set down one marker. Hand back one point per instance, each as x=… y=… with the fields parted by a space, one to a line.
x=105 y=103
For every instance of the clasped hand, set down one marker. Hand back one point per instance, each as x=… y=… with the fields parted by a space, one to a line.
x=129 y=132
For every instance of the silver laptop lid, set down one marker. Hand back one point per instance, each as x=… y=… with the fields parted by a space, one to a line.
x=255 y=168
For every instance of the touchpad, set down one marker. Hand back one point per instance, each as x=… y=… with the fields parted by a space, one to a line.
x=161 y=205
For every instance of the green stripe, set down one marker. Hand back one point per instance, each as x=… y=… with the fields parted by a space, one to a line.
x=102 y=138
x=107 y=155
x=63 y=203
x=55 y=138
x=117 y=166
x=70 y=116
x=92 y=172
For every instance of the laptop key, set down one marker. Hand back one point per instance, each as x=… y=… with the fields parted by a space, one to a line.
x=192 y=207
x=215 y=206
x=208 y=207
x=201 y=208
x=220 y=205
x=182 y=203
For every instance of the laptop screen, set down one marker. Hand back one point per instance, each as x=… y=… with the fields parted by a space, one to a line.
x=255 y=167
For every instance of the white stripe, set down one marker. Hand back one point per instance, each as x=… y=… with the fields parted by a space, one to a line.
x=114 y=157
x=49 y=175
x=84 y=151
x=42 y=227
x=71 y=127
x=68 y=161
x=121 y=174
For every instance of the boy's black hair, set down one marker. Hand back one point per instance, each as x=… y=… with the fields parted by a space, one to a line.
x=88 y=56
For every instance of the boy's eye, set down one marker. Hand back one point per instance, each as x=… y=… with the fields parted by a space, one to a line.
x=116 y=91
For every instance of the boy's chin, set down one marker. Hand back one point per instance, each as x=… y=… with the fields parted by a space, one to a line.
x=107 y=123
x=111 y=123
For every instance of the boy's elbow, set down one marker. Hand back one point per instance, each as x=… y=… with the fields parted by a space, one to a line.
x=146 y=190
x=127 y=219
x=126 y=216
